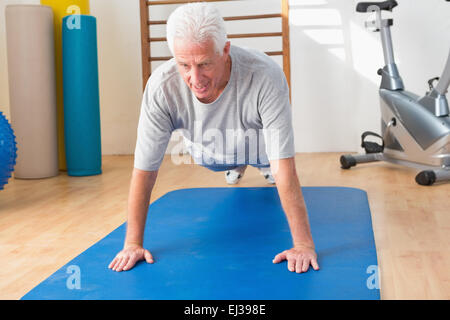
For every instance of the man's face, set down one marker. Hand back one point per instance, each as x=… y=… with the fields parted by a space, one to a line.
x=203 y=70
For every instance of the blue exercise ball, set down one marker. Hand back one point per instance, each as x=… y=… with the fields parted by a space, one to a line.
x=8 y=150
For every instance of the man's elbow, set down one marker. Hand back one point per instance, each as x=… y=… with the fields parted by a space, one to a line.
x=283 y=169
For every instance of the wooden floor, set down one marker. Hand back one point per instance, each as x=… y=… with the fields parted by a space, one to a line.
x=46 y=223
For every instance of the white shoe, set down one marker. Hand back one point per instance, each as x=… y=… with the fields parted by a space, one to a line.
x=267 y=175
x=235 y=175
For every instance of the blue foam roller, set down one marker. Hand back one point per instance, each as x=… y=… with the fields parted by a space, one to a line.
x=218 y=244
x=82 y=133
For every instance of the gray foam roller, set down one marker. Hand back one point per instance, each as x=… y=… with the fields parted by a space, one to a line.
x=32 y=92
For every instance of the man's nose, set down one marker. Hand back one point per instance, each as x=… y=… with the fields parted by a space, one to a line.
x=195 y=75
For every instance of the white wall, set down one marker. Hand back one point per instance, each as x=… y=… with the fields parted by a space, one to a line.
x=335 y=59
x=333 y=63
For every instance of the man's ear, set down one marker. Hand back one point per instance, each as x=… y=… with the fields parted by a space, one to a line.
x=226 y=49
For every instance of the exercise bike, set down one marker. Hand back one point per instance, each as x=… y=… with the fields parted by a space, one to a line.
x=415 y=130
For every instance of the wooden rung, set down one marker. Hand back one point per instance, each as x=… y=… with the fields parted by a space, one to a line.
x=259 y=16
x=255 y=35
x=152 y=3
x=157 y=39
x=274 y=53
x=234 y=36
x=156 y=22
x=159 y=58
x=269 y=53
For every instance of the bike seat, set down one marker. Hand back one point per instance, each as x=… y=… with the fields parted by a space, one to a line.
x=385 y=5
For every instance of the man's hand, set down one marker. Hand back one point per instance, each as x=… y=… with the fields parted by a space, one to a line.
x=299 y=259
x=127 y=258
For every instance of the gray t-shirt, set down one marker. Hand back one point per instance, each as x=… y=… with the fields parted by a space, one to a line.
x=249 y=123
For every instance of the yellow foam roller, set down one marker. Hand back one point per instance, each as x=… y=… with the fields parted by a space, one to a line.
x=62 y=8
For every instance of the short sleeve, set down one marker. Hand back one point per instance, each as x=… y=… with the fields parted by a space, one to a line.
x=154 y=130
x=276 y=116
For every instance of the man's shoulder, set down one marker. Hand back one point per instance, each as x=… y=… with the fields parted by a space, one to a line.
x=253 y=59
x=165 y=76
x=256 y=64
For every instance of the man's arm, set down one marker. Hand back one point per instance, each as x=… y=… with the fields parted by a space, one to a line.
x=141 y=186
x=303 y=252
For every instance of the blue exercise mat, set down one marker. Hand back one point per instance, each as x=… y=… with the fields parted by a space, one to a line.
x=218 y=243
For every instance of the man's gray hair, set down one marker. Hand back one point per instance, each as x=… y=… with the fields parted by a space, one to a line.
x=197 y=22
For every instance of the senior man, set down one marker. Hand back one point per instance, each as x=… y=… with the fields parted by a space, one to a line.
x=239 y=99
